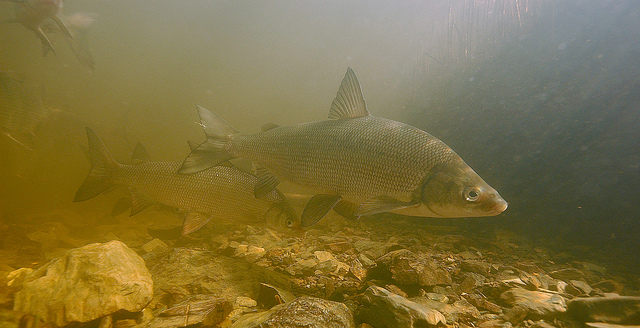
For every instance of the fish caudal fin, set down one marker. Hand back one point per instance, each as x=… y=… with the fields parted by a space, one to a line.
x=98 y=179
x=213 y=151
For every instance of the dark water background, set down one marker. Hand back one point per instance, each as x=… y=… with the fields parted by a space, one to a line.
x=541 y=98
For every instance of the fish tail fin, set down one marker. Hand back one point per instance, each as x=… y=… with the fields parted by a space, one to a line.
x=214 y=150
x=99 y=178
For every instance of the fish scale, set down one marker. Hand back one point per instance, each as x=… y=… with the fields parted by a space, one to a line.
x=355 y=158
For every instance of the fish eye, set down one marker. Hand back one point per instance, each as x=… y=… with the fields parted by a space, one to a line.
x=471 y=194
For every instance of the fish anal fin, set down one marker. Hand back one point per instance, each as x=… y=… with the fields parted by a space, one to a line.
x=349 y=102
x=317 y=207
x=266 y=182
x=381 y=204
x=193 y=221
x=46 y=44
x=121 y=206
x=347 y=209
x=139 y=201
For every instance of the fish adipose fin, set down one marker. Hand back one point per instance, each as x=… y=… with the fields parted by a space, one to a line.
x=349 y=102
x=193 y=222
x=347 y=209
x=139 y=201
x=317 y=207
x=98 y=179
x=266 y=182
x=381 y=204
x=212 y=152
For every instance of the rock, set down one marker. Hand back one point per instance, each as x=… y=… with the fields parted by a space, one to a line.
x=307 y=312
x=181 y=272
x=407 y=269
x=538 y=304
x=155 y=246
x=479 y=267
x=612 y=309
x=88 y=283
x=382 y=308
x=578 y=288
x=472 y=281
x=452 y=312
x=208 y=313
x=567 y=274
x=607 y=325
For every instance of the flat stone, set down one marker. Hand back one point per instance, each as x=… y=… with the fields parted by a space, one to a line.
x=611 y=309
x=155 y=246
x=382 y=308
x=207 y=312
x=303 y=312
x=88 y=283
x=539 y=304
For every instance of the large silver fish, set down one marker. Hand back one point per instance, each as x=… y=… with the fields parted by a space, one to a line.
x=360 y=164
x=35 y=14
x=222 y=192
x=21 y=110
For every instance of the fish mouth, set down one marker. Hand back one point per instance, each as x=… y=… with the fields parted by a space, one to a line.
x=499 y=207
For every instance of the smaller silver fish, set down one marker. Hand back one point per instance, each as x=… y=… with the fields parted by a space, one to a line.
x=223 y=193
x=34 y=14
x=21 y=110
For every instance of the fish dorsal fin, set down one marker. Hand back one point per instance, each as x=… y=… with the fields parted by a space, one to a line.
x=269 y=126
x=266 y=182
x=139 y=201
x=214 y=125
x=140 y=155
x=381 y=204
x=317 y=207
x=193 y=221
x=349 y=102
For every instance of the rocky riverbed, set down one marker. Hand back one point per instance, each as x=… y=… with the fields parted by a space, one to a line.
x=383 y=271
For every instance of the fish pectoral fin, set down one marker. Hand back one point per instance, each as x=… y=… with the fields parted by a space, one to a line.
x=347 y=209
x=46 y=44
x=349 y=102
x=139 y=201
x=266 y=182
x=140 y=155
x=193 y=221
x=62 y=26
x=317 y=208
x=381 y=204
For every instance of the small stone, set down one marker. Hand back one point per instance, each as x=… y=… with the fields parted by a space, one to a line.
x=516 y=314
x=241 y=250
x=307 y=312
x=254 y=253
x=155 y=246
x=579 y=288
x=323 y=256
x=366 y=262
x=567 y=274
x=242 y=301
x=479 y=267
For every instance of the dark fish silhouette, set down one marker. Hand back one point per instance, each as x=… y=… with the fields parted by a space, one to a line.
x=222 y=192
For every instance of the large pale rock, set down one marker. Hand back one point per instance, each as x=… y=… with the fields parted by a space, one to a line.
x=88 y=283
x=383 y=309
x=307 y=312
x=538 y=304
